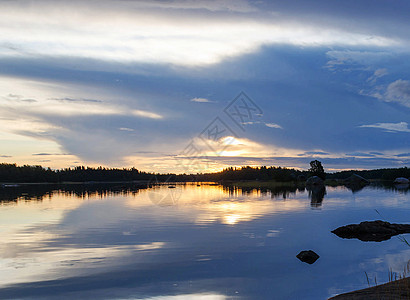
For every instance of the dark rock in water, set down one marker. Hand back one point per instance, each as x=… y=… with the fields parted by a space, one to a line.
x=356 y=179
x=371 y=231
x=401 y=180
x=308 y=256
x=314 y=180
x=355 y=182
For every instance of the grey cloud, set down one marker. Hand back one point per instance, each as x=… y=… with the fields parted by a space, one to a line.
x=313 y=153
x=360 y=154
x=47 y=154
x=68 y=99
x=18 y=98
x=403 y=155
x=399 y=91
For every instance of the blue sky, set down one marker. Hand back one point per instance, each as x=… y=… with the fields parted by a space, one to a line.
x=135 y=83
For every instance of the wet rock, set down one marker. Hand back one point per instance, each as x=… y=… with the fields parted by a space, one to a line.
x=401 y=180
x=308 y=256
x=314 y=180
x=371 y=231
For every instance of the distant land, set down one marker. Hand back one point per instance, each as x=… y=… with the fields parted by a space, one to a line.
x=11 y=173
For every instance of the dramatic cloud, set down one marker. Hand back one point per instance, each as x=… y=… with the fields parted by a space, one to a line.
x=133 y=31
x=126 y=83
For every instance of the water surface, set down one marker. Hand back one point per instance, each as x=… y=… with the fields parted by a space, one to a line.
x=192 y=242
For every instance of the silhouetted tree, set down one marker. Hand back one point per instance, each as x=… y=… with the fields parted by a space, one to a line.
x=316 y=169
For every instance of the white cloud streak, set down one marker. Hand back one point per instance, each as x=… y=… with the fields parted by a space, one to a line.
x=390 y=127
x=273 y=125
x=201 y=100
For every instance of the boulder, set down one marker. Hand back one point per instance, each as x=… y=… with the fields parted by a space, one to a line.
x=356 y=179
x=374 y=231
x=401 y=180
x=308 y=256
x=355 y=182
x=314 y=180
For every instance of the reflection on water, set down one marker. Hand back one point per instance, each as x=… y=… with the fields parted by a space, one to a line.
x=195 y=240
x=317 y=194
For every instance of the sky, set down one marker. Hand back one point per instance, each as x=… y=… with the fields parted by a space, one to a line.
x=197 y=86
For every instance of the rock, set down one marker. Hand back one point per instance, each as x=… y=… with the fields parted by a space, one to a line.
x=401 y=180
x=356 y=179
x=314 y=180
x=308 y=256
x=394 y=290
x=355 y=182
x=374 y=231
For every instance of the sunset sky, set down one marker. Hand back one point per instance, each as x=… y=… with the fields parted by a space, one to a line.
x=144 y=83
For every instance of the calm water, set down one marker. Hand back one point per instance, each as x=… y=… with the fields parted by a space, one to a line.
x=191 y=242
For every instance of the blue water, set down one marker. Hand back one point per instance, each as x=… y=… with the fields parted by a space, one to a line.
x=192 y=242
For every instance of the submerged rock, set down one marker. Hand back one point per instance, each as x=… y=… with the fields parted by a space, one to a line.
x=371 y=231
x=314 y=180
x=401 y=180
x=308 y=256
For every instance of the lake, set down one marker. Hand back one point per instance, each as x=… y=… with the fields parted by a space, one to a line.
x=206 y=241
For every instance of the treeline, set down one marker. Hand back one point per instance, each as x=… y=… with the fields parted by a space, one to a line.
x=25 y=174
x=10 y=173
x=378 y=174
x=255 y=173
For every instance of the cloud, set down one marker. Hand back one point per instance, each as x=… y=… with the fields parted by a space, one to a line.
x=377 y=74
x=399 y=91
x=360 y=154
x=128 y=32
x=47 y=154
x=273 y=125
x=68 y=99
x=126 y=129
x=146 y=114
x=344 y=58
x=201 y=100
x=45 y=106
x=389 y=127
x=309 y=153
x=403 y=155
x=211 y=5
